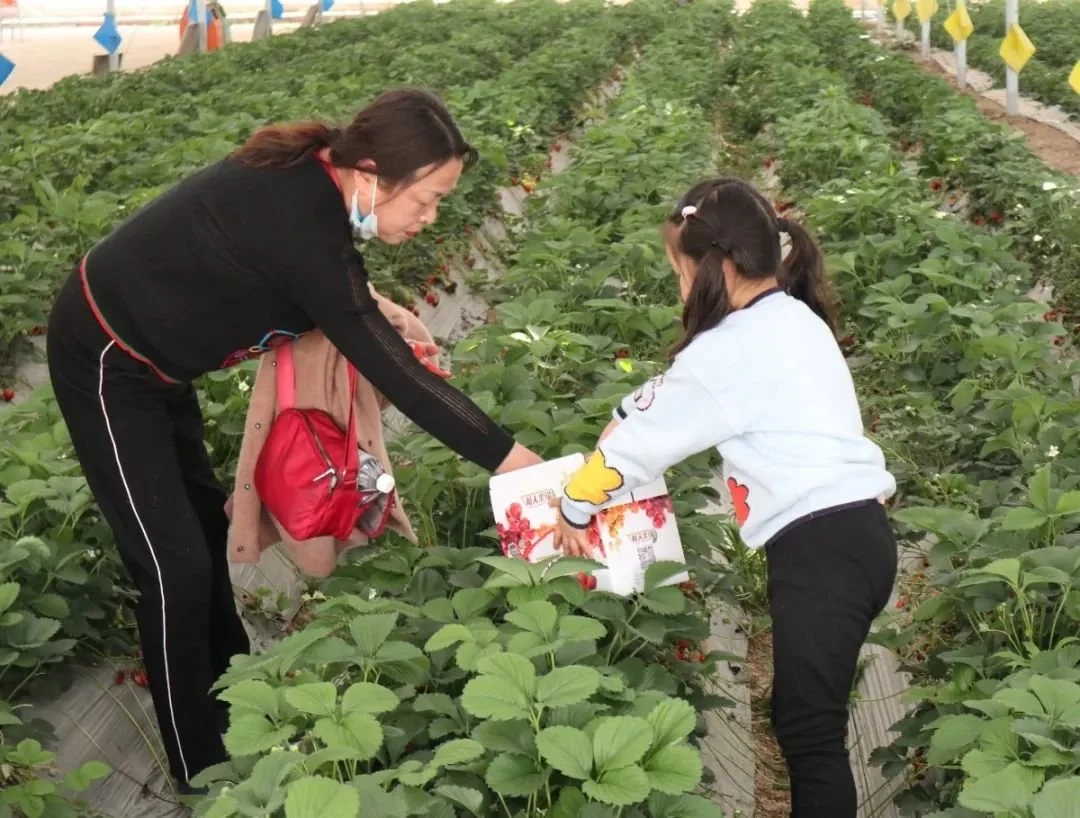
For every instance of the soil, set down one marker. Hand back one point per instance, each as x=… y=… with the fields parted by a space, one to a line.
x=1059 y=150
x=772 y=790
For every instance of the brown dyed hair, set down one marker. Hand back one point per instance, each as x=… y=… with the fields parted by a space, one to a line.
x=734 y=221
x=400 y=132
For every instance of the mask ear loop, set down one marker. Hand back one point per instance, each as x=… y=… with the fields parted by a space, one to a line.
x=374 y=191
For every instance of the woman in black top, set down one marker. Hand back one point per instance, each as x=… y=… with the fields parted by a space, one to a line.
x=244 y=255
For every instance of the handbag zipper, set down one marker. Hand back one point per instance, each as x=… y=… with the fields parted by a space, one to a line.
x=331 y=471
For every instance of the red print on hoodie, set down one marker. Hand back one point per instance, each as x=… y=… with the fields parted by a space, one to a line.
x=740 y=495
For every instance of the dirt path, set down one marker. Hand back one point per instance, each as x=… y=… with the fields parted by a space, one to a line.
x=772 y=790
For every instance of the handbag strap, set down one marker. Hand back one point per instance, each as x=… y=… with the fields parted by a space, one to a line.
x=286 y=396
x=286 y=377
x=352 y=453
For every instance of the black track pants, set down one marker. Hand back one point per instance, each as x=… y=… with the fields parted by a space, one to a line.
x=140 y=443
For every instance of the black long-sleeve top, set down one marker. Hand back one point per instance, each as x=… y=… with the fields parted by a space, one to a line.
x=236 y=260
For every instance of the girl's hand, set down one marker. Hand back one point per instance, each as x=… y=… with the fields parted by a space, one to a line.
x=426 y=354
x=573 y=542
x=608 y=430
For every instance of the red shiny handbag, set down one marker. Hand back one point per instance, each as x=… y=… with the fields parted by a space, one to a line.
x=306 y=474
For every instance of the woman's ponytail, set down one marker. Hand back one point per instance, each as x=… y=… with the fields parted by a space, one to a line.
x=287 y=145
x=803 y=274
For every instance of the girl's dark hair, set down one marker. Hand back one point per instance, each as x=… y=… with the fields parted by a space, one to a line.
x=400 y=132
x=734 y=221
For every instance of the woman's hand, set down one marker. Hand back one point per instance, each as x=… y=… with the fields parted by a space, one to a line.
x=427 y=354
x=519 y=458
x=573 y=542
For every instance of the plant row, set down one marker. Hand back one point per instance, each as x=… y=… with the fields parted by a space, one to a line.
x=63 y=186
x=442 y=680
x=973 y=165
x=1053 y=26
x=974 y=404
x=63 y=594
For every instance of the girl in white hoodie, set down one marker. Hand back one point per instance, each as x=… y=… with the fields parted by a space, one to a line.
x=758 y=375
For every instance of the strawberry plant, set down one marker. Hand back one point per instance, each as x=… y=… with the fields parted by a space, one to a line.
x=446 y=677
x=980 y=167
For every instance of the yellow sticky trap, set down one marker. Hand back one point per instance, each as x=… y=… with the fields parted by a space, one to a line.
x=901 y=9
x=1074 y=78
x=959 y=25
x=1016 y=49
x=925 y=9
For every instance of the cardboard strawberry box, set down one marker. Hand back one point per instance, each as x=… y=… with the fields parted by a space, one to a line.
x=631 y=532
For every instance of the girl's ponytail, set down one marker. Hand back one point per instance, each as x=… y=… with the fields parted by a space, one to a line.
x=803 y=274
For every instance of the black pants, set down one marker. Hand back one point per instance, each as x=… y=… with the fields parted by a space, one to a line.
x=140 y=443
x=828 y=578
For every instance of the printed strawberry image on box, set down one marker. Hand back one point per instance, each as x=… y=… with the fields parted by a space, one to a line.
x=631 y=532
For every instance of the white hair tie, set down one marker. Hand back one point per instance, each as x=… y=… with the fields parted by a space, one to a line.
x=688 y=211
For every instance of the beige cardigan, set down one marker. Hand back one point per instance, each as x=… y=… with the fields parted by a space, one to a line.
x=321 y=383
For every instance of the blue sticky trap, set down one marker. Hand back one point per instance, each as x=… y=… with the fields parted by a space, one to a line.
x=193 y=13
x=277 y=11
x=327 y=5
x=6 y=67
x=108 y=37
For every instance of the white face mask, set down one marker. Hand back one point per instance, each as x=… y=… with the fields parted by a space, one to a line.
x=367 y=227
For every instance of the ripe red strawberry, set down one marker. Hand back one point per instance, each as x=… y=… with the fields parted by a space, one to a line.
x=119 y=679
x=847 y=340
x=444 y=268
x=997 y=217
x=978 y=220
x=431 y=281
x=689 y=586
x=140 y=678
x=768 y=163
x=699 y=657
x=586 y=581
x=8 y=395
x=432 y=299
x=557 y=147
x=902 y=603
x=935 y=184
x=622 y=353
